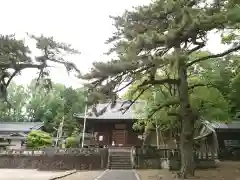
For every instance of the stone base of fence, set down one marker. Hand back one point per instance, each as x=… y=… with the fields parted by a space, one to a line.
x=55 y=161
x=152 y=158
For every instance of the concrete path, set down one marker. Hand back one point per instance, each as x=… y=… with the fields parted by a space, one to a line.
x=30 y=174
x=118 y=175
x=83 y=175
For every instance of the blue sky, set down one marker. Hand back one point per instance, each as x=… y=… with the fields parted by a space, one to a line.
x=84 y=24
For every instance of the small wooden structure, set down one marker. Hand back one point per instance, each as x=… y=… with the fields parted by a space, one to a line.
x=113 y=128
x=221 y=140
x=206 y=141
x=228 y=135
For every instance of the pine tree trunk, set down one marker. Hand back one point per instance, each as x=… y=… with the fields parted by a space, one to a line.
x=188 y=120
x=186 y=148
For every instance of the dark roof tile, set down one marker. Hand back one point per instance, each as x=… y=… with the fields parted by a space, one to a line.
x=116 y=113
x=20 y=126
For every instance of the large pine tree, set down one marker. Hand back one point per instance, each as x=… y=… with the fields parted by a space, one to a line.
x=163 y=34
x=15 y=56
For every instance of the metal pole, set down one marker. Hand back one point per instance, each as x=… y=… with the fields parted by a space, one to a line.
x=84 y=124
x=60 y=128
x=57 y=137
x=157 y=134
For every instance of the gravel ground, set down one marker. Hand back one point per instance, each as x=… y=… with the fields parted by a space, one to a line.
x=153 y=174
x=225 y=171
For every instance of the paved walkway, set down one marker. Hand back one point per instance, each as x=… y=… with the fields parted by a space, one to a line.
x=83 y=175
x=118 y=175
x=29 y=174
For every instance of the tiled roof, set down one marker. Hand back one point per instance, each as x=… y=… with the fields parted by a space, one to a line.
x=210 y=127
x=19 y=126
x=230 y=125
x=116 y=113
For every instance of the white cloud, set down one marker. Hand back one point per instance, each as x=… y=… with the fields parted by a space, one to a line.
x=84 y=24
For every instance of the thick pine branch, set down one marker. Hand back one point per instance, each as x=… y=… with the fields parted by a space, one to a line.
x=231 y=50
x=20 y=66
x=12 y=76
x=161 y=106
x=135 y=99
x=160 y=82
x=191 y=87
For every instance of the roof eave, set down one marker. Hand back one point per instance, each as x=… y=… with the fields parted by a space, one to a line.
x=90 y=117
x=99 y=118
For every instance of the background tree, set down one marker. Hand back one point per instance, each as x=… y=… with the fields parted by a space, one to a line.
x=35 y=103
x=222 y=74
x=234 y=94
x=17 y=97
x=51 y=107
x=163 y=34
x=74 y=102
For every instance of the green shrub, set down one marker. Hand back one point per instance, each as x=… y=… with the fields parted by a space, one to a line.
x=73 y=142
x=38 y=139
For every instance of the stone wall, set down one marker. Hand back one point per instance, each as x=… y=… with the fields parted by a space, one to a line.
x=153 y=158
x=56 y=159
x=149 y=157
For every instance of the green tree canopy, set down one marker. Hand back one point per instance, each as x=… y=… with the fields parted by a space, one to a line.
x=207 y=98
x=60 y=102
x=35 y=103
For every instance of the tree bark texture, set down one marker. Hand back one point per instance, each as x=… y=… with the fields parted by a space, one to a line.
x=188 y=120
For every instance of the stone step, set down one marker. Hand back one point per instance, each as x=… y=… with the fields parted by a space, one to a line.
x=121 y=161
x=119 y=154
x=129 y=162
x=120 y=157
x=120 y=148
x=120 y=165
x=122 y=168
x=129 y=166
x=127 y=152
